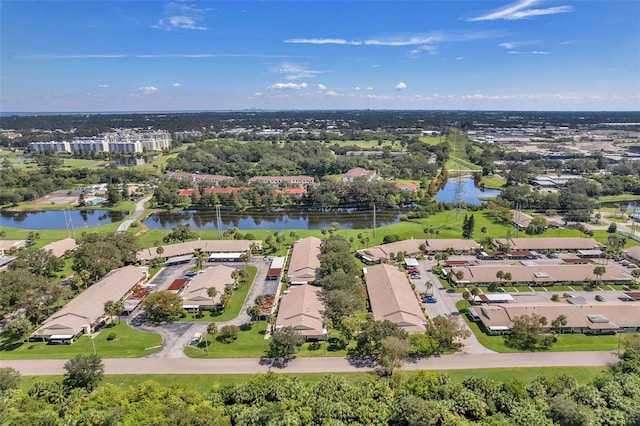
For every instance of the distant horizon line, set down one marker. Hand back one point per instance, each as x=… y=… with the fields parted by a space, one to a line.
x=195 y=111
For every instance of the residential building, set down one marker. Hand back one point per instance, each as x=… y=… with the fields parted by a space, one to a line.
x=304 y=266
x=204 y=246
x=392 y=298
x=195 y=297
x=358 y=172
x=550 y=244
x=9 y=246
x=59 y=248
x=86 y=312
x=302 y=308
x=197 y=177
x=279 y=180
x=411 y=247
x=51 y=146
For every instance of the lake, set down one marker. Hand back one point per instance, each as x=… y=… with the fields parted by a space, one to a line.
x=58 y=219
x=470 y=192
x=282 y=219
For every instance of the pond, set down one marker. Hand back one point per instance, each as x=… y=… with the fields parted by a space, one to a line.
x=470 y=193
x=59 y=219
x=282 y=219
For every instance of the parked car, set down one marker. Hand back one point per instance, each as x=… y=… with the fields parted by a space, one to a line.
x=429 y=299
x=413 y=271
x=416 y=276
x=599 y=298
x=552 y=255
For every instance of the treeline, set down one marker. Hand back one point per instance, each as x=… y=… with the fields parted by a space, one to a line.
x=21 y=184
x=260 y=158
x=411 y=399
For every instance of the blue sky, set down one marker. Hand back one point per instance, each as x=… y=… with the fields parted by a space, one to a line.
x=148 y=55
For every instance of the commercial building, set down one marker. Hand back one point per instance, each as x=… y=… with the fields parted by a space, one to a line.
x=392 y=298
x=301 y=308
x=84 y=313
x=304 y=266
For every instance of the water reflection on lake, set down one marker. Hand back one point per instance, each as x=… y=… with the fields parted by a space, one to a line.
x=278 y=220
x=59 y=219
x=470 y=192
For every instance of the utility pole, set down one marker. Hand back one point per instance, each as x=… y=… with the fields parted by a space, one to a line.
x=219 y=221
x=374 y=221
x=517 y=221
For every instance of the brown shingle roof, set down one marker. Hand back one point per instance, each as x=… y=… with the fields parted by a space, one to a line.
x=196 y=292
x=302 y=308
x=304 y=266
x=392 y=298
x=549 y=243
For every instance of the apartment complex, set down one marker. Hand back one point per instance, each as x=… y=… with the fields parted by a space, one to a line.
x=121 y=140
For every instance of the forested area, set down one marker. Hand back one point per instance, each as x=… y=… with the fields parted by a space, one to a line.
x=412 y=399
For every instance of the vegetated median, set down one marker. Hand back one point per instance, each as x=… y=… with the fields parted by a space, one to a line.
x=127 y=343
x=565 y=342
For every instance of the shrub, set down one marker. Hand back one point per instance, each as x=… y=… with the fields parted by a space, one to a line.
x=555 y=298
x=112 y=336
x=184 y=314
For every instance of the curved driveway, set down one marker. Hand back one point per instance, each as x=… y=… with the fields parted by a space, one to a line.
x=318 y=365
x=137 y=213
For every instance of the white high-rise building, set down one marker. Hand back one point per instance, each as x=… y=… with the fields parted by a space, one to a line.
x=51 y=146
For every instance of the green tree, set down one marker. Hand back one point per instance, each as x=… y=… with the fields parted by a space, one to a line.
x=527 y=333
x=393 y=352
x=369 y=341
x=466 y=295
x=599 y=271
x=254 y=311
x=83 y=371
x=559 y=322
x=200 y=259
x=447 y=330
x=9 y=379
x=245 y=258
x=112 y=308
x=229 y=333
x=284 y=343
x=38 y=262
x=212 y=329
x=114 y=196
x=163 y=306
x=19 y=329
x=212 y=292
x=537 y=226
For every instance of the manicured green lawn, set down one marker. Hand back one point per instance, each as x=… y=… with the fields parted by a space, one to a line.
x=565 y=343
x=129 y=344
x=493 y=182
x=206 y=382
x=237 y=300
x=250 y=344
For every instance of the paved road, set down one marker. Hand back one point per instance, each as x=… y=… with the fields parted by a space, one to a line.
x=319 y=365
x=138 y=212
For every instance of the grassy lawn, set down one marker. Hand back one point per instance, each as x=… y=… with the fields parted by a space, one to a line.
x=130 y=344
x=621 y=197
x=456 y=163
x=523 y=288
x=493 y=182
x=565 y=343
x=430 y=140
x=250 y=344
x=237 y=300
x=206 y=382
x=540 y=289
x=78 y=163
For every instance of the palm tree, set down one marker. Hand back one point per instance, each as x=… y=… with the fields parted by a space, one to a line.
x=559 y=322
x=475 y=291
x=599 y=271
x=635 y=274
x=253 y=312
x=466 y=295
x=500 y=275
x=159 y=250
x=459 y=275
x=212 y=292
x=110 y=309
x=245 y=258
x=199 y=259
x=429 y=285
x=235 y=274
x=508 y=277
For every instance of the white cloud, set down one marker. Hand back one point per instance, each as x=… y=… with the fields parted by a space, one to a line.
x=332 y=93
x=288 y=86
x=103 y=86
x=356 y=88
x=369 y=88
x=519 y=10
x=147 y=90
x=400 y=86
x=176 y=84
x=508 y=45
x=534 y=52
x=181 y=16
x=295 y=71
x=322 y=41
x=459 y=58
x=321 y=87
x=539 y=52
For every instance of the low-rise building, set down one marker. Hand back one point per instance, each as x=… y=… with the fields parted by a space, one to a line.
x=601 y=318
x=203 y=246
x=302 y=308
x=411 y=247
x=548 y=244
x=195 y=297
x=10 y=246
x=358 y=172
x=392 y=298
x=279 y=180
x=304 y=265
x=84 y=313
x=59 y=248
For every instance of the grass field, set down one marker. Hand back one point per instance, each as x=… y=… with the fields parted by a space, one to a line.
x=206 y=382
x=129 y=344
x=493 y=182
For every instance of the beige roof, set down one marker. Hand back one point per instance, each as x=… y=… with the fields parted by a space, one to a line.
x=302 y=308
x=58 y=248
x=304 y=266
x=549 y=243
x=624 y=314
x=412 y=247
x=207 y=246
x=392 y=298
x=196 y=292
x=523 y=220
x=88 y=306
x=6 y=245
x=633 y=252
x=543 y=273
